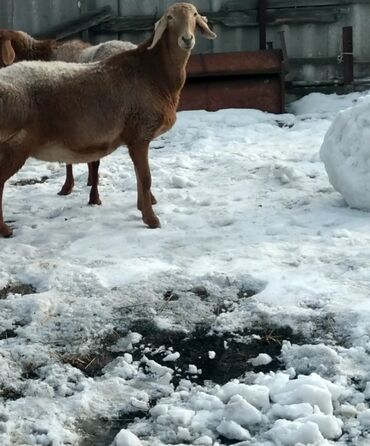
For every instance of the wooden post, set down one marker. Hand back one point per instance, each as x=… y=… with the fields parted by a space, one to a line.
x=83 y=10
x=286 y=67
x=262 y=20
x=347 y=38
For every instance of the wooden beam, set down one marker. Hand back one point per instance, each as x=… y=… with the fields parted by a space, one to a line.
x=306 y=15
x=75 y=26
x=126 y=24
x=240 y=5
x=322 y=60
x=231 y=19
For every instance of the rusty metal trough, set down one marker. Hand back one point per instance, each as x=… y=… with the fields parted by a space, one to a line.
x=246 y=79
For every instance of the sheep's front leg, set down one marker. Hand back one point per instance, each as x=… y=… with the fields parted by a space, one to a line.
x=139 y=155
x=139 y=193
x=93 y=182
x=69 y=182
x=90 y=178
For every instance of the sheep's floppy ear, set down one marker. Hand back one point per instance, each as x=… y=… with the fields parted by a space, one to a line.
x=159 y=29
x=203 y=27
x=7 y=52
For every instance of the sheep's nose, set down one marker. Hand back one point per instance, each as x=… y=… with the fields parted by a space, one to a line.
x=187 y=39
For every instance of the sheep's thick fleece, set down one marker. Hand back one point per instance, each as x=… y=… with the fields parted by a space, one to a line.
x=79 y=117
x=104 y=50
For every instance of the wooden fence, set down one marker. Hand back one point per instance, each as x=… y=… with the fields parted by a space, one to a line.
x=312 y=28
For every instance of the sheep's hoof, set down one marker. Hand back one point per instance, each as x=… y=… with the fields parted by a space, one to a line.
x=152 y=221
x=95 y=201
x=5 y=231
x=66 y=189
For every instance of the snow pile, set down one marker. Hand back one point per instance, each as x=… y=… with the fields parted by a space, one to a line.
x=289 y=410
x=325 y=104
x=346 y=155
x=319 y=358
x=126 y=438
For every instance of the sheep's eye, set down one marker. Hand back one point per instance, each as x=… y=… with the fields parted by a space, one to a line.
x=169 y=17
x=195 y=14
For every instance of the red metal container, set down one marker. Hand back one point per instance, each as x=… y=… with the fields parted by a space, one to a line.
x=247 y=79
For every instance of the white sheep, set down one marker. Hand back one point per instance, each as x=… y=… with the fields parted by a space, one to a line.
x=18 y=46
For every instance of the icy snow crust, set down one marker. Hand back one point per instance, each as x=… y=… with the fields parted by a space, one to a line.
x=245 y=203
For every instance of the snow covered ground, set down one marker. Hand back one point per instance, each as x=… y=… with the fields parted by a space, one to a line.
x=243 y=320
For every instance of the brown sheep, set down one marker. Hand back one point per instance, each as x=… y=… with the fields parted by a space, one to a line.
x=77 y=113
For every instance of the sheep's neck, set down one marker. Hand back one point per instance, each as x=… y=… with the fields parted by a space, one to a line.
x=171 y=61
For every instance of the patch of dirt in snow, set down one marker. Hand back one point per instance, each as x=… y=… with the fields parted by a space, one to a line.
x=102 y=431
x=232 y=351
x=30 y=181
x=229 y=359
x=17 y=288
x=14 y=288
x=9 y=393
x=92 y=364
x=245 y=291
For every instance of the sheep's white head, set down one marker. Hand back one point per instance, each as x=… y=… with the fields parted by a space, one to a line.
x=181 y=20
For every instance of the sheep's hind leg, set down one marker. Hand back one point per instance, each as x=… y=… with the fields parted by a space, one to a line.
x=94 y=181
x=69 y=182
x=5 y=230
x=139 y=156
x=9 y=165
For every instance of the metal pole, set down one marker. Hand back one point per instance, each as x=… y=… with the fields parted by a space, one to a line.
x=347 y=38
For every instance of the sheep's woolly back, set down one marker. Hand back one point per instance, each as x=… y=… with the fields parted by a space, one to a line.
x=28 y=48
x=104 y=50
x=70 y=51
x=38 y=72
x=20 y=84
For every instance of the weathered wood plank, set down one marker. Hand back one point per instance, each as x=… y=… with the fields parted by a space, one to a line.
x=85 y=21
x=240 y=5
x=306 y=15
x=126 y=24
x=95 y=5
x=313 y=60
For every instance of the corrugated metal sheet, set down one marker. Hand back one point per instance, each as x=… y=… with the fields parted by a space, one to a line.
x=308 y=44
